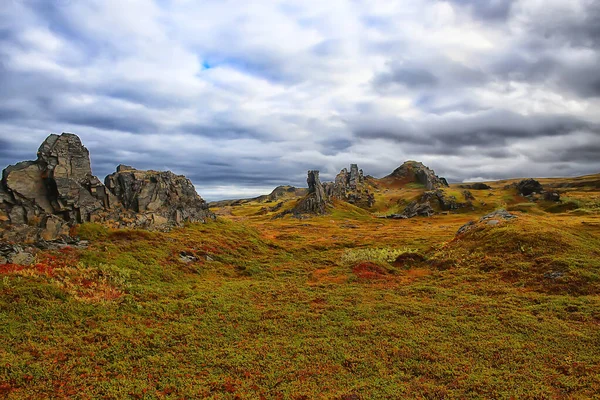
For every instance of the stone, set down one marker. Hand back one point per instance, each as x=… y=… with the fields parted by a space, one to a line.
x=415 y=209
x=54 y=228
x=349 y=186
x=186 y=257
x=416 y=172
x=492 y=219
x=315 y=201
x=528 y=187
x=47 y=196
x=159 y=197
x=552 y=196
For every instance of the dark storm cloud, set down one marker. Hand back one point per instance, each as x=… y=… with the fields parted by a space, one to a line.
x=486 y=129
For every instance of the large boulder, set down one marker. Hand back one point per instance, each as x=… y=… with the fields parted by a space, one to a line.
x=160 y=197
x=416 y=172
x=527 y=187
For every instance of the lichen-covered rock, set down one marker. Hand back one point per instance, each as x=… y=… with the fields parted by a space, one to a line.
x=159 y=197
x=413 y=171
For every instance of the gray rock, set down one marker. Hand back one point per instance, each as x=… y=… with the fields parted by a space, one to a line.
x=315 y=201
x=491 y=219
x=158 y=197
x=552 y=196
x=350 y=187
x=527 y=187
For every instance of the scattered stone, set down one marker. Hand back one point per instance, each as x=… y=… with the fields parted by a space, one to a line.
x=187 y=257
x=15 y=254
x=491 y=219
x=552 y=196
x=530 y=186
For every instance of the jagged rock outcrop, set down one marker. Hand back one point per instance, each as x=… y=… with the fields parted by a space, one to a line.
x=528 y=187
x=42 y=199
x=315 y=201
x=413 y=171
x=349 y=186
x=157 y=198
x=56 y=190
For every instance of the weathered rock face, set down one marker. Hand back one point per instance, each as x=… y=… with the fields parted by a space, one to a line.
x=54 y=191
x=159 y=197
x=413 y=171
x=315 y=201
x=350 y=186
x=527 y=187
x=40 y=200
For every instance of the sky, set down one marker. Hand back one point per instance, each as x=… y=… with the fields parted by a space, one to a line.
x=244 y=96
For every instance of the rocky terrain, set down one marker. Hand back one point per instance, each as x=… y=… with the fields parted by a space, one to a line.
x=42 y=200
x=399 y=287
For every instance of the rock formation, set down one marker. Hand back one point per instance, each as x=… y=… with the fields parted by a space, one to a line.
x=315 y=201
x=157 y=197
x=349 y=186
x=413 y=171
x=42 y=199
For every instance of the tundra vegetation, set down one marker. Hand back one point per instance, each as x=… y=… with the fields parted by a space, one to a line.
x=263 y=303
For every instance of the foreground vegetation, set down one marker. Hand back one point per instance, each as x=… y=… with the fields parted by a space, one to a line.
x=343 y=306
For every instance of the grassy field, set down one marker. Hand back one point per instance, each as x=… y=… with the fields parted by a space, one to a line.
x=341 y=306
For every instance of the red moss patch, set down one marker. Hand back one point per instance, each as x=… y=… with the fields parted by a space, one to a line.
x=369 y=271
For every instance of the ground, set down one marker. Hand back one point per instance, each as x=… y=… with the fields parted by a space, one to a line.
x=340 y=306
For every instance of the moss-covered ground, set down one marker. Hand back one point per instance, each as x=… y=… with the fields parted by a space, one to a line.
x=316 y=308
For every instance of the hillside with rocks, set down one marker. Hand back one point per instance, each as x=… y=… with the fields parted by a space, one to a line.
x=357 y=288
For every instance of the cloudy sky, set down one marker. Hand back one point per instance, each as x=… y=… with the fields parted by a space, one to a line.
x=243 y=97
